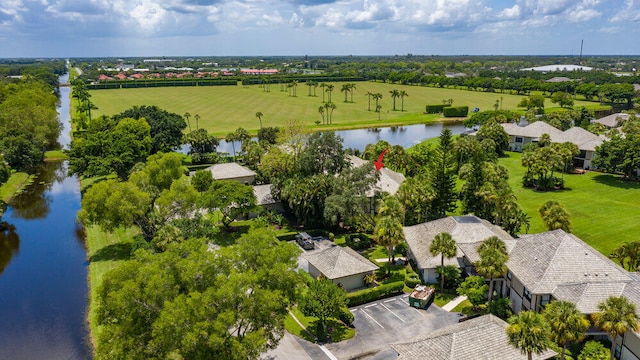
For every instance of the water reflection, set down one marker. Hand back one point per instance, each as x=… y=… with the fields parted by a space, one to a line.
x=9 y=244
x=35 y=201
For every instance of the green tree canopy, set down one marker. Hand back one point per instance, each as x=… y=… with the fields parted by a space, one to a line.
x=444 y=245
x=165 y=127
x=616 y=315
x=529 y=332
x=566 y=322
x=231 y=198
x=324 y=300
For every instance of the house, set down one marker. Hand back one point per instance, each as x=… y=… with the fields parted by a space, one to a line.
x=613 y=120
x=265 y=200
x=558 y=79
x=342 y=265
x=468 y=231
x=232 y=171
x=484 y=337
x=562 y=67
x=522 y=135
x=586 y=143
x=388 y=182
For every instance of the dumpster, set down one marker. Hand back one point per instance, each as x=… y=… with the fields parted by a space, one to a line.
x=421 y=296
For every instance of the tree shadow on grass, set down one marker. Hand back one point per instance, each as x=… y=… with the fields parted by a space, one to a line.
x=337 y=331
x=616 y=181
x=119 y=251
x=229 y=236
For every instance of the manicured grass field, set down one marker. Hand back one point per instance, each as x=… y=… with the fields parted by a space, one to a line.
x=225 y=108
x=605 y=210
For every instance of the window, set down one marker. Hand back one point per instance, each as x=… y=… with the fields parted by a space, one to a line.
x=544 y=300
x=518 y=139
x=618 y=350
x=527 y=294
x=509 y=275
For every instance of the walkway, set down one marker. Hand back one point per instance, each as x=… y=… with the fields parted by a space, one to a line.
x=453 y=303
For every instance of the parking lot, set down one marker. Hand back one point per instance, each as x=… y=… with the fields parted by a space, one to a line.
x=387 y=321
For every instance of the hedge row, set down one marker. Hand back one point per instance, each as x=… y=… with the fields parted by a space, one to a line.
x=373 y=294
x=160 y=83
x=455 y=111
x=300 y=79
x=435 y=108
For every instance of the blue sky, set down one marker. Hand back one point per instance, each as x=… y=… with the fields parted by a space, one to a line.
x=75 y=28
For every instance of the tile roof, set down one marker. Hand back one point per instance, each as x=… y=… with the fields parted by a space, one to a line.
x=467 y=229
x=584 y=139
x=547 y=260
x=263 y=194
x=338 y=262
x=613 y=120
x=533 y=130
x=229 y=171
x=482 y=338
x=389 y=180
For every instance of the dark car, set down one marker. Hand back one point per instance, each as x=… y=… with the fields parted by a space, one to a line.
x=305 y=241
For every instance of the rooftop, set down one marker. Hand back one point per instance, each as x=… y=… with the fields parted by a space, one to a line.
x=263 y=194
x=389 y=180
x=229 y=171
x=338 y=262
x=559 y=67
x=613 y=120
x=484 y=337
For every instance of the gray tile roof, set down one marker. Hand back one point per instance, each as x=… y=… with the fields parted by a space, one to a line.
x=544 y=261
x=263 y=194
x=533 y=130
x=389 y=180
x=613 y=120
x=584 y=139
x=229 y=171
x=482 y=338
x=558 y=79
x=337 y=262
x=466 y=229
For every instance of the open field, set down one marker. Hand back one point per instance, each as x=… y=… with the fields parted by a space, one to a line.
x=604 y=209
x=223 y=109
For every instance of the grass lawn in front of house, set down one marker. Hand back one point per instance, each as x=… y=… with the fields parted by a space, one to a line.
x=340 y=331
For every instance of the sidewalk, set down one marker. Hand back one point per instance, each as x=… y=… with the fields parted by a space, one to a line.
x=453 y=303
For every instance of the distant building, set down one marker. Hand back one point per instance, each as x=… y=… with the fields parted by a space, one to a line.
x=232 y=171
x=613 y=120
x=558 y=79
x=563 y=67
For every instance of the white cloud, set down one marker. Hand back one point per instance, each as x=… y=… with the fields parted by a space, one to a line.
x=510 y=13
x=631 y=12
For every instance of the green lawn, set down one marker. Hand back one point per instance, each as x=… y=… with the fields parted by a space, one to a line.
x=13 y=185
x=225 y=108
x=441 y=299
x=340 y=332
x=55 y=155
x=604 y=209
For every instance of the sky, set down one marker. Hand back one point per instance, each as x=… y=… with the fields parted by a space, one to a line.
x=120 y=28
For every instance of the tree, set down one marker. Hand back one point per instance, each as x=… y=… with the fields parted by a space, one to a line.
x=231 y=198
x=321 y=112
x=474 y=287
x=329 y=91
x=368 y=95
x=352 y=88
x=377 y=97
x=202 y=180
x=201 y=142
x=529 y=332
x=345 y=89
x=165 y=128
x=187 y=116
x=197 y=119
x=329 y=108
x=388 y=233
x=443 y=179
x=259 y=116
x=444 y=245
x=620 y=154
x=492 y=264
x=402 y=95
x=324 y=300
x=268 y=135
x=495 y=132
x=323 y=153
x=566 y=322
x=555 y=216
x=323 y=86
x=394 y=94
x=594 y=350
x=562 y=98
x=616 y=315
x=348 y=203
x=306 y=196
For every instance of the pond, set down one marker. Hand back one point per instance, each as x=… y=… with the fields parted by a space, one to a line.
x=43 y=269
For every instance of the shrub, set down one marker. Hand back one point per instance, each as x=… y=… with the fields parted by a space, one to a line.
x=358 y=241
x=435 y=108
x=455 y=111
x=368 y=295
x=402 y=249
x=346 y=316
x=411 y=282
x=594 y=350
x=452 y=276
x=501 y=307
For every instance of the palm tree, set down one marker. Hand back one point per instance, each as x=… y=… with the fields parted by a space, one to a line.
x=567 y=323
x=197 y=118
x=376 y=97
x=402 y=95
x=492 y=264
x=315 y=86
x=231 y=138
x=378 y=108
x=321 y=111
x=529 y=332
x=329 y=110
x=329 y=91
x=259 y=116
x=444 y=245
x=345 y=90
x=352 y=87
x=187 y=116
x=368 y=95
x=309 y=85
x=87 y=106
x=388 y=233
x=294 y=86
x=555 y=216
x=616 y=316
x=394 y=94
x=322 y=86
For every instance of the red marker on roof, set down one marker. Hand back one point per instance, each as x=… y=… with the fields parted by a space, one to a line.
x=379 y=163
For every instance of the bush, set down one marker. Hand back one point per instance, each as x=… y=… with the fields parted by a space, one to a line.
x=306 y=277
x=358 y=241
x=455 y=111
x=594 y=350
x=435 y=108
x=452 y=276
x=402 y=249
x=501 y=307
x=368 y=295
x=346 y=316
x=411 y=282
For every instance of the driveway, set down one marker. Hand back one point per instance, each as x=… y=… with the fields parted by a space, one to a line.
x=387 y=321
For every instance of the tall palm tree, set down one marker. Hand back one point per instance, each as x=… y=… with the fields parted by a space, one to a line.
x=555 y=216
x=616 y=316
x=231 y=138
x=259 y=116
x=345 y=90
x=197 y=118
x=329 y=91
x=321 y=111
x=352 y=88
x=567 y=323
x=492 y=264
x=315 y=86
x=394 y=94
x=309 y=85
x=444 y=245
x=294 y=85
x=187 y=116
x=529 y=332
x=378 y=108
x=368 y=95
x=329 y=107
x=322 y=86
x=402 y=95
x=377 y=97
x=388 y=233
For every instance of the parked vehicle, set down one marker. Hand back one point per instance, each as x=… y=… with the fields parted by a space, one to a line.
x=305 y=241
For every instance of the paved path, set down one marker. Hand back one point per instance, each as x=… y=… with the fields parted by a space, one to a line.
x=453 y=303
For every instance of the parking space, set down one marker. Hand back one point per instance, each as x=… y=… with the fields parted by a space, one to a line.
x=388 y=321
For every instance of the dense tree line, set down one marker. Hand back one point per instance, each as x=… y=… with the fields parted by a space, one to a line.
x=621 y=153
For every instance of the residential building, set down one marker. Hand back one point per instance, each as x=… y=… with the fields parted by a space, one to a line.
x=482 y=338
x=612 y=121
x=468 y=232
x=342 y=265
x=522 y=135
x=265 y=200
x=232 y=171
x=388 y=182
